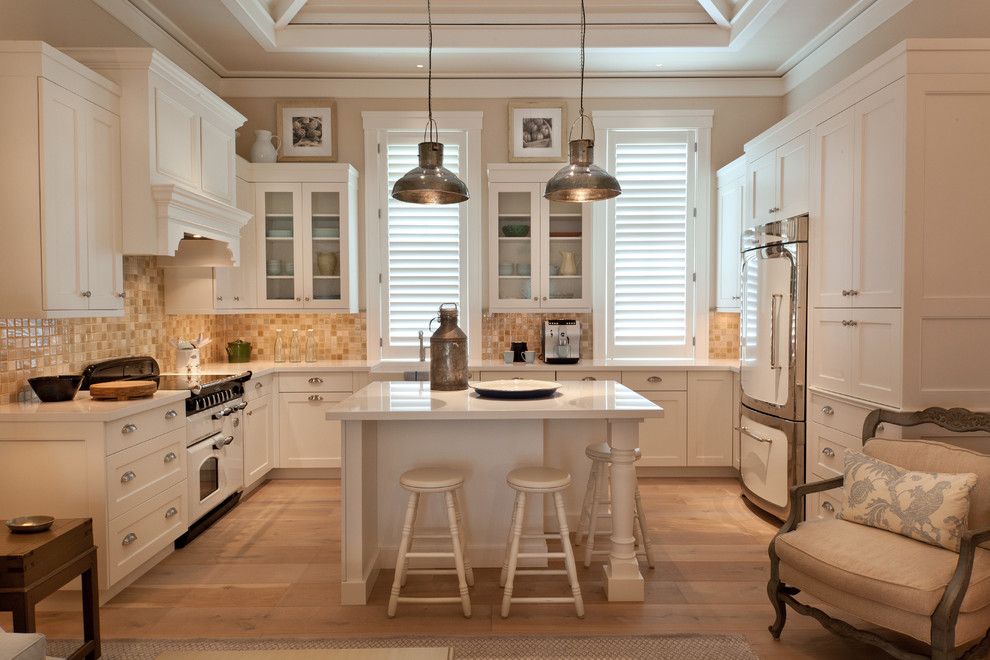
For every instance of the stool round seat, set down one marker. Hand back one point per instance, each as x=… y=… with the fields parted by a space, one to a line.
x=538 y=479
x=601 y=451
x=431 y=479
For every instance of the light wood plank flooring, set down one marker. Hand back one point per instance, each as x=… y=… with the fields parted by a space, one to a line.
x=270 y=568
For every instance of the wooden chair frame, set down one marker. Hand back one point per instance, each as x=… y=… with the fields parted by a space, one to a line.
x=946 y=614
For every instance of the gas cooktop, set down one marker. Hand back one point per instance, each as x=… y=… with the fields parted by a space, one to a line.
x=190 y=381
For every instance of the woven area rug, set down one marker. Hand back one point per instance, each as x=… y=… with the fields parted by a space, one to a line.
x=679 y=647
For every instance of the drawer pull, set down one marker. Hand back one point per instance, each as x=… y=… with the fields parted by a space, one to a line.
x=758 y=438
x=315 y=397
x=249 y=413
x=127 y=477
x=589 y=378
x=128 y=428
x=130 y=538
x=315 y=380
x=258 y=386
x=172 y=511
x=827 y=410
x=171 y=414
x=654 y=379
x=881 y=428
x=828 y=506
x=828 y=451
x=169 y=457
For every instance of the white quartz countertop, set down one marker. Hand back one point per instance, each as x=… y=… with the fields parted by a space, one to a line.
x=408 y=401
x=705 y=364
x=86 y=409
x=265 y=367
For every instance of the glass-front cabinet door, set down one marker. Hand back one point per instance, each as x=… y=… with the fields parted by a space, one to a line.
x=323 y=232
x=515 y=245
x=278 y=207
x=565 y=240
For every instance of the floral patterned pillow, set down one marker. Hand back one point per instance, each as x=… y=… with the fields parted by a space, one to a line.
x=927 y=506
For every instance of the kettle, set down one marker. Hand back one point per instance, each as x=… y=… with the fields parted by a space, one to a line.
x=239 y=351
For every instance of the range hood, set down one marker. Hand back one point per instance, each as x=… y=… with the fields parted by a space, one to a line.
x=184 y=216
x=198 y=251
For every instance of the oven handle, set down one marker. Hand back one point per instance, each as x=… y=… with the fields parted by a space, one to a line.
x=223 y=442
x=214 y=438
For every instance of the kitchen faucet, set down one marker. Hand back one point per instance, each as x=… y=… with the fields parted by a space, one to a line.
x=422 y=348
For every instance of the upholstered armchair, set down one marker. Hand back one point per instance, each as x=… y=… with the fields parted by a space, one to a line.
x=923 y=591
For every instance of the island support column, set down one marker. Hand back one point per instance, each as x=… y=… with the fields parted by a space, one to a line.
x=359 y=517
x=623 y=581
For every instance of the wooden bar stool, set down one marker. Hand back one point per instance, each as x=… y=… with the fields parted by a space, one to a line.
x=547 y=481
x=598 y=504
x=423 y=481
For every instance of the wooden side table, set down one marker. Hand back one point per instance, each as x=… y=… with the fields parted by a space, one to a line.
x=34 y=566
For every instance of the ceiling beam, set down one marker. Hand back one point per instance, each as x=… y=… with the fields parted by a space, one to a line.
x=285 y=11
x=256 y=20
x=720 y=11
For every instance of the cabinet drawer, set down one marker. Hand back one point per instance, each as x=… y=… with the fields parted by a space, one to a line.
x=137 y=473
x=259 y=387
x=824 y=505
x=134 y=430
x=589 y=375
x=655 y=381
x=522 y=372
x=340 y=381
x=828 y=447
x=137 y=535
x=846 y=417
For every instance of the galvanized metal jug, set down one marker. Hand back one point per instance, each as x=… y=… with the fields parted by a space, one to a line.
x=448 y=352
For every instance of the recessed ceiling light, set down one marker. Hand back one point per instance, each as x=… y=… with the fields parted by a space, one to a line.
x=419 y=66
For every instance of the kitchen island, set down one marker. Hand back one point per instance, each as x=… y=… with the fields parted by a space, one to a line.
x=391 y=427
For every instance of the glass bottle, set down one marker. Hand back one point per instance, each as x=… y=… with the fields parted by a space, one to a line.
x=310 y=346
x=279 y=347
x=294 y=348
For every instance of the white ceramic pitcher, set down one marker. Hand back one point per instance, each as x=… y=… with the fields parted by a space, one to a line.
x=568 y=262
x=263 y=151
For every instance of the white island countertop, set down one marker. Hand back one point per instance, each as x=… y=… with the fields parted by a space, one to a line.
x=407 y=401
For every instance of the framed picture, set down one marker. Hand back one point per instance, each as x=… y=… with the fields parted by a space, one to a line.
x=537 y=131
x=307 y=130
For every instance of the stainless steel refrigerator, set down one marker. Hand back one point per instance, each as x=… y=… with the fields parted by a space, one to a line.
x=773 y=341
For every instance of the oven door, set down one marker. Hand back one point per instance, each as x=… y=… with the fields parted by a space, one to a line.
x=216 y=465
x=772 y=328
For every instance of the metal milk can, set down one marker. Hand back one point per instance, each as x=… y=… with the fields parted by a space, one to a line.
x=448 y=352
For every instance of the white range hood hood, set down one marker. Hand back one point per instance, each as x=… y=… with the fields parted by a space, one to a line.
x=182 y=215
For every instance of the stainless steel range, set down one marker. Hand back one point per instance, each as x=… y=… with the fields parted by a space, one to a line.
x=214 y=433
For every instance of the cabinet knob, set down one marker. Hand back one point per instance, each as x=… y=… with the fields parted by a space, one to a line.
x=298 y=299
x=250 y=413
x=544 y=297
x=881 y=428
x=828 y=452
x=171 y=414
x=237 y=299
x=315 y=380
x=589 y=378
x=827 y=410
x=853 y=292
x=306 y=299
x=127 y=477
x=845 y=292
x=258 y=386
x=172 y=511
x=219 y=298
x=654 y=379
x=169 y=457
x=828 y=506
x=128 y=428
x=87 y=294
x=130 y=538
x=535 y=298
x=737 y=297
x=122 y=295
x=315 y=397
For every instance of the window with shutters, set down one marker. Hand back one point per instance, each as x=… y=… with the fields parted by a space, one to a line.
x=424 y=248
x=651 y=263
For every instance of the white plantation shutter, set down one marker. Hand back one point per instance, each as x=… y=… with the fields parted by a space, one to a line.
x=423 y=264
x=651 y=257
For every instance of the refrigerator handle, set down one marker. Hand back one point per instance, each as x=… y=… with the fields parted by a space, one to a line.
x=775 y=301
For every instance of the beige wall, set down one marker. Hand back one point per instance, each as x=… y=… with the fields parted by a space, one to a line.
x=922 y=18
x=59 y=22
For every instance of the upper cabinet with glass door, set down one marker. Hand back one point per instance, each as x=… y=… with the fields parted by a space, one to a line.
x=538 y=250
x=307 y=255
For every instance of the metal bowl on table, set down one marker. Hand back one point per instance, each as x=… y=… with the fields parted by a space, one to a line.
x=29 y=524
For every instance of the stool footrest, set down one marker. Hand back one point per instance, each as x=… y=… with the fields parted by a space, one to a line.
x=540 y=555
x=424 y=599
x=429 y=555
x=429 y=536
x=541 y=571
x=545 y=537
x=431 y=571
x=537 y=599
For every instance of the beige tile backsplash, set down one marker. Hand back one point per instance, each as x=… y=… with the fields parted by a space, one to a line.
x=37 y=347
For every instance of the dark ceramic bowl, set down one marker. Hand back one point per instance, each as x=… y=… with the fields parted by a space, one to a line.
x=55 y=388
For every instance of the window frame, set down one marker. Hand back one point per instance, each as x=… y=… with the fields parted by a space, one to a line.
x=465 y=127
x=697 y=123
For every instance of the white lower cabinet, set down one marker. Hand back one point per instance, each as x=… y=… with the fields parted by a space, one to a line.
x=709 y=437
x=259 y=438
x=663 y=440
x=305 y=438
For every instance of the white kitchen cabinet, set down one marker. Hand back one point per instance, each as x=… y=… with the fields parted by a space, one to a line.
x=663 y=440
x=709 y=418
x=856 y=352
x=547 y=268
x=178 y=163
x=735 y=421
x=61 y=163
x=259 y=438
x=777 y=183
x=731 y=206
x=858 y=232
x=305 y=438
x=236 y=287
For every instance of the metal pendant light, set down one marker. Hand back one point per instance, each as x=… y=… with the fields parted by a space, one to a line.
x=581 y=180
x=430 y=183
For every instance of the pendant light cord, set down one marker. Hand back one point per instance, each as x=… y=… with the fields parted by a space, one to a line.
x=431 y=125
x=583 y=28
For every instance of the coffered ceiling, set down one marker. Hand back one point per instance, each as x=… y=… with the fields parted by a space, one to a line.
x=500 y=38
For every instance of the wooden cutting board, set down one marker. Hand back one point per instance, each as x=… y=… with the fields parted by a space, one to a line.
x=122 y=390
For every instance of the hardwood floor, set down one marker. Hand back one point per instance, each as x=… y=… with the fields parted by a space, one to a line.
x=271 y=569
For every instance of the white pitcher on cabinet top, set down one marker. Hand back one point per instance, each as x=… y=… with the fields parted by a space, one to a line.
x=568 y=263
x=263 y=151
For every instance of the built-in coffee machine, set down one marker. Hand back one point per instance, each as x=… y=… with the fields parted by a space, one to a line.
x=561 y=341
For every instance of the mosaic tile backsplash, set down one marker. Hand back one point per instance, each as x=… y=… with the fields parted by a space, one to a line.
x=499 y=330
x=723 y=335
